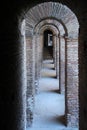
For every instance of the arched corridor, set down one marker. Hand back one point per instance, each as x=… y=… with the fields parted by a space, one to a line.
x=49 y=107
x=59 y=27
x=48 y=44
x=24 y=71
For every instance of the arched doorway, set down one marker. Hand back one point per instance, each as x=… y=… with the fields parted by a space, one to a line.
x=71 y=61
x=13 y=72
x=48 y=44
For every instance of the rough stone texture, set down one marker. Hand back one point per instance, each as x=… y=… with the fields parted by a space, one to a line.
x=57 y=60
x=36 y=63
x=38 y=59
x=30 y=81
x=62 y=65
x=53 y=24
x=40 y=50
x=23 y=40
x=52 y=10
x=54 y=49
x=72 y=101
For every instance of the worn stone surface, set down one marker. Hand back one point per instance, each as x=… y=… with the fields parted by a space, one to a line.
x=72 y=84
x=62 y=64
x=30 y=81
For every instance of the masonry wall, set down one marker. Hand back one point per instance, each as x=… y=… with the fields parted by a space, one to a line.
x=40 y=53
x=54 y=49
x=62 y=65
x=72 y=81
x=57 y=60
x=38 y=59
x=30 y=80
x=11 y=76
x=36 y=63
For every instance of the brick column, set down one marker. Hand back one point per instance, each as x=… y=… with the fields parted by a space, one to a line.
x=57 y=58
x=30 y=81
x=33 y=58
x=38 y=59
x=40 y=51
x=72 y=107
x=62 y=65
x=36 y=62
x=24 y=76
x=54 y=49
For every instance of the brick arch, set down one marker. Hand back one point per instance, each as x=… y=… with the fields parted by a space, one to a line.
x=53 y=22
x=39 y=42
x=50 y=27
x=67 y=18
x=52 y=10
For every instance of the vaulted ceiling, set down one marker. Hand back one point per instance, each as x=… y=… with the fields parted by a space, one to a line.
x=52 y=11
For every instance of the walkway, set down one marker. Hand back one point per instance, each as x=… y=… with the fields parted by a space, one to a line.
x=49 y=104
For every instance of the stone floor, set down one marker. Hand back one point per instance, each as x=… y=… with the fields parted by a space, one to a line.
x=49 y=104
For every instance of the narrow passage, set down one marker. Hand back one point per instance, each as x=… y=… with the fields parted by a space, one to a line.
x=49 y=104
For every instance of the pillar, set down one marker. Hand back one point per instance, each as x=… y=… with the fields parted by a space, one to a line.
x=72 y=82
x=30 y=80
x=40 y=53
x=57 y=58
x=24 y=75
x=54 y=49
x=38 y=59
x=36 y=63
x=62 y=65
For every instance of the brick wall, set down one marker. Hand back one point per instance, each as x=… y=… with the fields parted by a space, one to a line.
x=62 y=64
x=72 y=83
x=30 y=81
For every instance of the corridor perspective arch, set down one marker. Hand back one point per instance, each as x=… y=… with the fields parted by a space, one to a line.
x=68 y=18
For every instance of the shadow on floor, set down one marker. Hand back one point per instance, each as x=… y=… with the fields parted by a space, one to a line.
x=55 y=91
x=60 y=120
